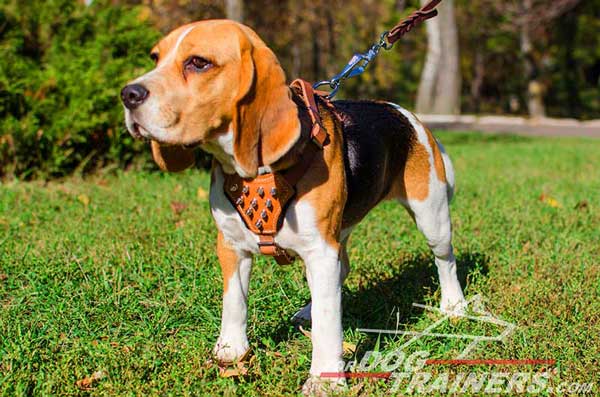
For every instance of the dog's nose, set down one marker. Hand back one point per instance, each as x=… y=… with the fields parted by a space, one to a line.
x=134 y=95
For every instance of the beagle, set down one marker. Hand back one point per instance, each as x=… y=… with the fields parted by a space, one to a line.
x=217 y=86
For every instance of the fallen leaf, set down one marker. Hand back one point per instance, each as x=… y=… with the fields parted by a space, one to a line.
x=239 y=368
x=230 y=372
x=178 y=207
x=550 y=201
x=87 y=383
x=201 y=194
x=84 y=199
x=3 y=277
x=582 y=205
x=179 y=224
x=348 y=347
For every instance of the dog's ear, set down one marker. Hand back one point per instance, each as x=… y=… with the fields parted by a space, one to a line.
x=265 y=118
x=172 y=158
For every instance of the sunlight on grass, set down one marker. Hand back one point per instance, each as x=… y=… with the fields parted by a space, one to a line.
x=103 y=274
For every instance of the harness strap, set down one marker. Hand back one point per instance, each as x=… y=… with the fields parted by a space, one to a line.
x=267 y=246
x=261 y=202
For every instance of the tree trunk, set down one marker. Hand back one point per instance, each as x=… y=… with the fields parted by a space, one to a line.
x=234 y=9
x=535 y=89
x=439 y=88
x=447 y=96
x=431 y=68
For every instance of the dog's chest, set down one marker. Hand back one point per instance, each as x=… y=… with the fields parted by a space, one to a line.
x=298 y=234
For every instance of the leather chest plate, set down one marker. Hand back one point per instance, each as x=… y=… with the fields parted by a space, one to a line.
x=261 y=202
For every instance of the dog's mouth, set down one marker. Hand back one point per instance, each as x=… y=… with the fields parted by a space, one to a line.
x=138 y=131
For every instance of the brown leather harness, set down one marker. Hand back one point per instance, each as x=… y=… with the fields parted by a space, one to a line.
x=261 y=202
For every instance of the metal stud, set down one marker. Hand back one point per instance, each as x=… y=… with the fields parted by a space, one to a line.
x=274 y=192
x=249 y=212
x=263 y=214
x=259 y=224
x=239 y=201
x=245 y=190
x=254 y=203
x=269 y=204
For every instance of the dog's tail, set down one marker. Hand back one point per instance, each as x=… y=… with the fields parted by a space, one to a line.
x=449 y=168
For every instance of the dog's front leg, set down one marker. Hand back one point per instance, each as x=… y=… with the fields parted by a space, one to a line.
x=323 y=272
x=233 y=344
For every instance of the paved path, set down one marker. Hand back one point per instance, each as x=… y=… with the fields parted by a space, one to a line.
x=515 y=125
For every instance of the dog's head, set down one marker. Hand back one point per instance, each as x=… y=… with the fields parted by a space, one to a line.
x=213 y=78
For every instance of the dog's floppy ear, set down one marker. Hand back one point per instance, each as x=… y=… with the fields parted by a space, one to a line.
x=265 y=118
x=172 y=158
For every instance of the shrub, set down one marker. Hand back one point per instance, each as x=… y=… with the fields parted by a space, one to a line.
x=62 y=65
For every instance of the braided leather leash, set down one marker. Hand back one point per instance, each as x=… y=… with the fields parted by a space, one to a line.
x=406 y=25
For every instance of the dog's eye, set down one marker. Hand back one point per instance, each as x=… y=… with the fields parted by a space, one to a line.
x=154 y=57
x=197 y=64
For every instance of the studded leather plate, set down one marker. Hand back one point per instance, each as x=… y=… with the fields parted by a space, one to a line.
x=261 y=201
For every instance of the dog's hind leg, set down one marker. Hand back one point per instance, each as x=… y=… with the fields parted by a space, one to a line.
x=425 y=187
x=432 y=217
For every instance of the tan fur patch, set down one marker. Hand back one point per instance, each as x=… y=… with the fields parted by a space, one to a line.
x=324 y=184
x=416 y=173
x=228 y=260
x=438 y=161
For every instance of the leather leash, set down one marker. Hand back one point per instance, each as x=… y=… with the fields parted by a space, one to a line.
x=406 y=25
x=261 y=202
x=359 y=62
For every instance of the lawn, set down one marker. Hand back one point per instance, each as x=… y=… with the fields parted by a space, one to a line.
x=118 y=274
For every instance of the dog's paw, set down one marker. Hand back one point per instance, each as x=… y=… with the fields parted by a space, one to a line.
x=316 y=386
x=454 y=307
x=228 y=352
x=302 y=316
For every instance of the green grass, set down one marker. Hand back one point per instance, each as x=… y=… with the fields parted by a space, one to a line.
x=101 y=274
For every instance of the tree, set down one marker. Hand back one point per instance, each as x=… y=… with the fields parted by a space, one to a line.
x=439 y=89
x=234 y=9
x=529 y=19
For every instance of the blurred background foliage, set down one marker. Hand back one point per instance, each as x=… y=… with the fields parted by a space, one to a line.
x=63 y=62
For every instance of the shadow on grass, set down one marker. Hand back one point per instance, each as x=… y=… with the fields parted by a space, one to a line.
x=384 y=302
x=387 y=304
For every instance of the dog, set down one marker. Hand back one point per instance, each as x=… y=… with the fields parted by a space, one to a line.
x=217 y=86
